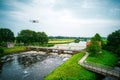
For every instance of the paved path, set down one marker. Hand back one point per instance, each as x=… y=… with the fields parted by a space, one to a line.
x=100 y=70
x=83 y=58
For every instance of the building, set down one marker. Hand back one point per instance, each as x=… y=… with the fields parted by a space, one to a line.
x=9 y=44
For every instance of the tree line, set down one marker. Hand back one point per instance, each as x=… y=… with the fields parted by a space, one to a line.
x=26 y=37
x=113 y=42
x=29 y=37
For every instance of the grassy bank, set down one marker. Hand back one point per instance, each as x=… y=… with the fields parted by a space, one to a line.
x=13 y=49
x=105 y=58
x=71 y=70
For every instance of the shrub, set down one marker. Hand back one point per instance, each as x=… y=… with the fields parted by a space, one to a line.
x=94 y=48
x=1 y=52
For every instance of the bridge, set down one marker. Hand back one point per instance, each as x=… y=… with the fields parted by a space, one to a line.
x=58 y=50
x=107 y=71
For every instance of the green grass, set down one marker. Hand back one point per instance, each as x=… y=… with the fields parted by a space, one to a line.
x=105 y=58
x=71 y=70
x=13 y=49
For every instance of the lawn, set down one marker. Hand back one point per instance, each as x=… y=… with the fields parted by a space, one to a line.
x=71 y=70
x=14 y=49
x=105 y=58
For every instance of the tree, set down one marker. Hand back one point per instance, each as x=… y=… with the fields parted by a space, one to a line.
x=95 y=45
x=113 y=42
x=94 y=48
x=26 y=36
x=6 y=35
x=97 y=37
x=77 y=40
x=29 y=37
x=42 y=37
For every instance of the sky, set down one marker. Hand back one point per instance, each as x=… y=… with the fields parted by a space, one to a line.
x=77 y=18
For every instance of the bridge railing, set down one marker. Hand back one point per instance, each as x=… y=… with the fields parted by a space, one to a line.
x=98 y=65
x=106 y=70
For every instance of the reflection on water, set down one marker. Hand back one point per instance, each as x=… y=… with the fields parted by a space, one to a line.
x=29 y=66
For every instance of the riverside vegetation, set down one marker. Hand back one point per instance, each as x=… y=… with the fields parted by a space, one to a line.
x=7 y=51
x=71 y=70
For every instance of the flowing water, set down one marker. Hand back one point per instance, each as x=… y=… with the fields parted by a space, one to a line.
x=27 y=66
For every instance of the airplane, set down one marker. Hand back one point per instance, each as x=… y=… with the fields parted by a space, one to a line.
x=34 y=21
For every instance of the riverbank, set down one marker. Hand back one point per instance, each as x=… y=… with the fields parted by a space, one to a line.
x=71 y=70
x=14 y=49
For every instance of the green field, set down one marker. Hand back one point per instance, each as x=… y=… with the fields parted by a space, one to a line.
x=60 y=41
x=71 y=70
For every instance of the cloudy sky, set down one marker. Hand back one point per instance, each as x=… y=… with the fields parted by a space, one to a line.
x=61 y=17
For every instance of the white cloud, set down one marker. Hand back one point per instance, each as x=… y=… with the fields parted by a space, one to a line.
x=88 y=4
x=114 y=10
x=93 y=4
x=49 y=16
x=57 y=22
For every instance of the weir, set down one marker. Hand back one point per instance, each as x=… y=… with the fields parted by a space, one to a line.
x=52 y=49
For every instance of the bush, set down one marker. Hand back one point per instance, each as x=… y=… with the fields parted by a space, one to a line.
x=50 y=45
x=77 y=40
x=1 y=52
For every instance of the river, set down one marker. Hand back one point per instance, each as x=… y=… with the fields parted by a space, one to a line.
x=25 y=66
